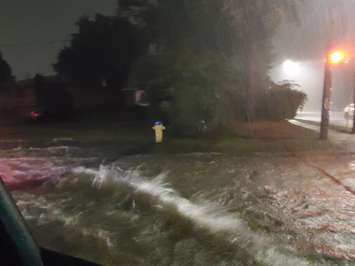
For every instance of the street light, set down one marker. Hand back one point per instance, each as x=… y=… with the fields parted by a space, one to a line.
x=291 y=68
x=337 y=57
x=334 y=58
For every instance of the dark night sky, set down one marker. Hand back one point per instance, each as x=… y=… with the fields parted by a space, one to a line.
x=31 y=31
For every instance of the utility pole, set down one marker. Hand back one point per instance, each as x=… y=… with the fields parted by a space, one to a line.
x=326 y=102
x=333 y=58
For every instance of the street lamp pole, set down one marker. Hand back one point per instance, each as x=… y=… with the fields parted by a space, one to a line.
x=326 y=101
x=334 y=58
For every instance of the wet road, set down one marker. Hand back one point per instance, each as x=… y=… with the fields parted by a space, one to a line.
x=336 y=118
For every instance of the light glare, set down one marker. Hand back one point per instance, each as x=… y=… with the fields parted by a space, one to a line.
x=291 y=68
x=337 y=57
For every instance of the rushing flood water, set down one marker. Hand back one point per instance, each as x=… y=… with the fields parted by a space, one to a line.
x=188 y=209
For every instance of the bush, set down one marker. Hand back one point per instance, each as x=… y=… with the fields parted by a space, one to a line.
x=188 y=111
x=281 y=102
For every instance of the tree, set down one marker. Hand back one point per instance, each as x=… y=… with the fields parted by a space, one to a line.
x=103 y=50
x=256 y=22
x=5 y=71
x=220 y=49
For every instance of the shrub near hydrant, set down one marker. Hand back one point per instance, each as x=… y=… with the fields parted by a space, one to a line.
x=281 y=102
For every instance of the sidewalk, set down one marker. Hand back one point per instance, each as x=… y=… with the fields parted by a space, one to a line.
x=338 y=135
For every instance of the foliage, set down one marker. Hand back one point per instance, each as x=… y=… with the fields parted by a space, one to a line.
x=155 y=73
x=212 y=57
x=102 y=50
x=198 y=89
x=281 y=102
x=5 y=71
x=194 y=94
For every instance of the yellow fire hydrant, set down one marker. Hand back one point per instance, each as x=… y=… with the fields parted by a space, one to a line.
x=159 y=132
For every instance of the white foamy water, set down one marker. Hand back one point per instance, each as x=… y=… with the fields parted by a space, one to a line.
x=205 y=215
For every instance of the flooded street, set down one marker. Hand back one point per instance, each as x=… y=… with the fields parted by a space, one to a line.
x=187 y=209
x=178 y=133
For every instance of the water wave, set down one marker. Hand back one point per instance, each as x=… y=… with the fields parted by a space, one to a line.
x=206 y=215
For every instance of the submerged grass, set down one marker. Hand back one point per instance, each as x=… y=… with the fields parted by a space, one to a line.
x=126 y=138
x=248 y=139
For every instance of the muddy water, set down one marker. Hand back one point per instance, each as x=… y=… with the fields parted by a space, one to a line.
x=187 y=209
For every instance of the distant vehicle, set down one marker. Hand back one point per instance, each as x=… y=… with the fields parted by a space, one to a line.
x=349 y=111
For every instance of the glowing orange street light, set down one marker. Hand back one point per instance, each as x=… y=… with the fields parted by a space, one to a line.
x=337 y=57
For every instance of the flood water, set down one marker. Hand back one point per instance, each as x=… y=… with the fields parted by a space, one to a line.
x=186 y=209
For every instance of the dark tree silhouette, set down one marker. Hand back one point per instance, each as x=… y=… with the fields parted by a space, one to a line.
x=102 y=51
x=215 y=55
x=5 y=71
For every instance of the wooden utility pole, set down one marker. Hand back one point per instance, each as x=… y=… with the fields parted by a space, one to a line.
x=326 y=101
